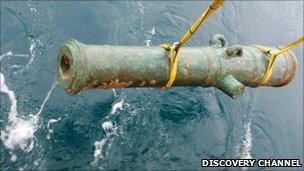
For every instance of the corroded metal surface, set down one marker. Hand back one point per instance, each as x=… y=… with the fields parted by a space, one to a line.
x=82 y=67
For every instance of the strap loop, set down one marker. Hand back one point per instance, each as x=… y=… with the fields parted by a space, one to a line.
x=272 y=55
x=173 y=49
x=173 y=62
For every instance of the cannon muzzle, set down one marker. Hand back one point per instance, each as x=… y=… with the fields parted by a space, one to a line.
x=229 y=68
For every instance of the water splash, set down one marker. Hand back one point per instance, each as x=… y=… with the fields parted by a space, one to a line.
x=114 y=93
x=11 y=54
x=149 y=37
x=48 y=94
x=141 y=8
x=107 y=126
x=19 y=130
x=111 y=131
x=13 y=157
x=12 y=98
x=116 y=106
x=50 y=131
x=99 y=153
x=247 y=142
x=19 y=133
x=33 y=9
x=34 y=43
x=98 y=150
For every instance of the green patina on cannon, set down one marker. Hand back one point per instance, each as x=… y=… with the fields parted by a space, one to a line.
x=229 y=68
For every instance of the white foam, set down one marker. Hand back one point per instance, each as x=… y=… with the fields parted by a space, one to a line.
x=102 y=145
x=111 y=131
x=36 y=163
x=8 y=54
x=141 y=8
x=148 y=42
x=116 y=106
x=98 y=148
x=107 y=126
x=19 y=133
x=13 y=109
x=11 y=54
x=48 y=126
x=33 y=44
x=149 y=36
x=153 y=31
x=13 y=158
x=33 y=9
x=48 y=94
x=114 y=93
x=247 y=142
x=106 y=143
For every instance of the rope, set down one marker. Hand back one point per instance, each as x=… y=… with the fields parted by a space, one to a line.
x=272 y=55
x=173 y=49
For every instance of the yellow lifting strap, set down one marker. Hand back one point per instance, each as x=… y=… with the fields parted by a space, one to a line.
x=272 y=55
x=173 y=49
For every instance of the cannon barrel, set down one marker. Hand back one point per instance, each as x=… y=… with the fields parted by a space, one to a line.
x=229 y=68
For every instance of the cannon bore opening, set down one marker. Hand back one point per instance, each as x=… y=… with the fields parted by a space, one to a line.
x=65 y=64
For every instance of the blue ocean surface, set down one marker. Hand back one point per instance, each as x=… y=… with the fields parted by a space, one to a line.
x=43 y=128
